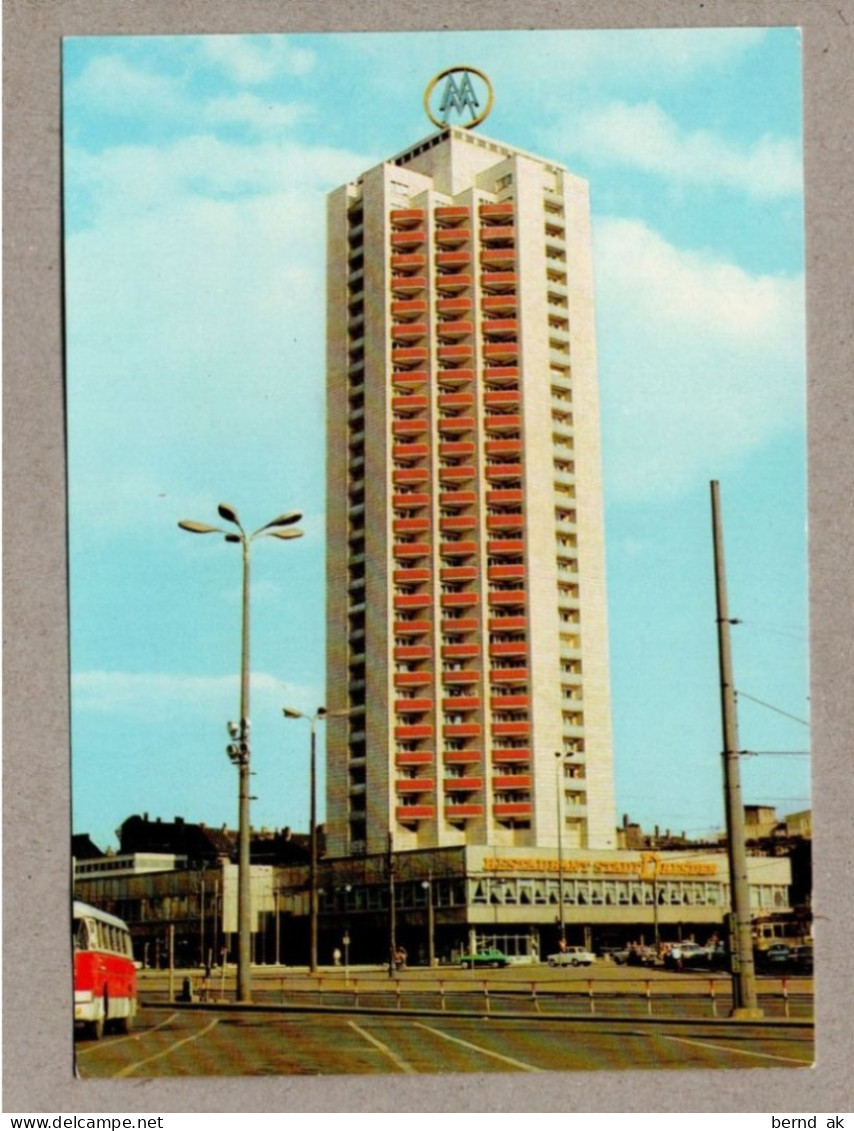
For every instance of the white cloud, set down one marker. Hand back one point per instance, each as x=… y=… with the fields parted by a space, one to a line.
x=256 y=59
x=645 y=137
x=700 y=361
x=154 y=696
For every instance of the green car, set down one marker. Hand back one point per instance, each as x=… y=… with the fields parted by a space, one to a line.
x=488 y=957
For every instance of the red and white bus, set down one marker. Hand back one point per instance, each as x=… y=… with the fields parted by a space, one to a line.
x=104 y=971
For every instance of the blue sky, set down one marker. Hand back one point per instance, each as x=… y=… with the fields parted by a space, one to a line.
x=196 y=170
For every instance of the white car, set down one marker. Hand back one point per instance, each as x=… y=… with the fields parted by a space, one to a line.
x=572 y=956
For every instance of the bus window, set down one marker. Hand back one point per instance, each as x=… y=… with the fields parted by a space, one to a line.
x=80 y=935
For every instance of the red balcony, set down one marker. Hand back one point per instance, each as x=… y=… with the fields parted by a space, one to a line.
x=498 y=472
x=508 y=624
x=508 y=675
x=415 y=785
x=498 y=280
x=453 y=378
x=462 y=785
x=412 y=679
x=459 y=624
x=452 y=237
x=512 y=781
x=507 y=597
x=459 y=573
x=409 y=814
x=458 y=600
x=453 y=258
x=460 y=757
x=454 y=678
x=500 y=351
x=413 y=757
x=412 y=237
x=502 y=398
x=413 y=652
x=506 y=546
x=408 y=284
x=457 y=498
x=501 y=327
x=494 y=232
x=452 y=305
x=408 y=308
x=462 y=812
x=410 y=525
x=501 y=498
x=504 y=522
x=406 y=452
x=514 y=754
x=409 y=427
x=458 y=522
x=503 y=447
x=410 y=263
x=411 y=402
x=450 y=449
x=454 y=353
x=408 y=331
x=409 y=378
x=413 y=732
x=412 y=600
x=454 y=328
x=451 y=213
x=511 y=730
x=457 y=549
x=505 y=572
x=512 y=809
x=496 y=211
x=450 y=425
x=459 y=651
x=456 y=474
x=407 y=355
x=461 y=730
x=508 y=648
x=407 y=475
x=501 y=374
x=411 y=549
x=410 y=576
x=462 y=703
x=509 y=702
x=411 y=627
x=410 y=706
x=415 y=499
x=407 y=217
x=496 y=257
x=497 y=304
x=456 y=400
x=452 y=282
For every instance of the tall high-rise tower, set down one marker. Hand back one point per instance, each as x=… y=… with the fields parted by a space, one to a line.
x=466 y=616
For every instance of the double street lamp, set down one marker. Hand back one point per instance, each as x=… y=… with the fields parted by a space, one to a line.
x=320 y=713
x=239 y=749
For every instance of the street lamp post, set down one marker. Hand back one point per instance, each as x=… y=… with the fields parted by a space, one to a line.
x=239 y=749
x=320 y=713
x=559 y=792
x=427 y=885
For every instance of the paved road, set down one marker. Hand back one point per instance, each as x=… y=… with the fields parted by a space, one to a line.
x=197 y=1042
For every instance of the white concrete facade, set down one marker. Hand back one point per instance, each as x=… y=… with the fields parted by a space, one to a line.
x=466 y=615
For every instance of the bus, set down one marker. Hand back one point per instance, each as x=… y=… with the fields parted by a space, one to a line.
x=773 y=927
x=104 y=971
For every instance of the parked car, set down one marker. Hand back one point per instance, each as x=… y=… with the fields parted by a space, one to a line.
x=572 y=956
x=801 y=959
x=776 y=958
x=686 y=955
x=489 y=956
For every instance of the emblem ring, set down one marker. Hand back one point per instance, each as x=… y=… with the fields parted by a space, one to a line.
x=434 y=82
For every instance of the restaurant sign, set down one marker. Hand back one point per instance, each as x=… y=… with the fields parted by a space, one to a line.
x=649 y=866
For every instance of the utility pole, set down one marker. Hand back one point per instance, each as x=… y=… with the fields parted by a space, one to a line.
x=744 y=1001
x=392 y=926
